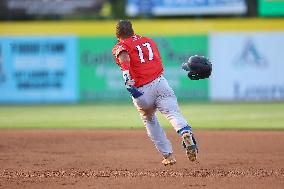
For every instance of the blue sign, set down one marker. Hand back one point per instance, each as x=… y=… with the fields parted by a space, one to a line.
x=38 y=69
x=185 y=7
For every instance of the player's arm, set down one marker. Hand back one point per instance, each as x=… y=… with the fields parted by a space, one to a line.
x=124 y=63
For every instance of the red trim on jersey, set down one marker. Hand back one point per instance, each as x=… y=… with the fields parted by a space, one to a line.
x=117 y=50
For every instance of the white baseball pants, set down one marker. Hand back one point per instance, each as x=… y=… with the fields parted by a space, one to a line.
x=159 y=95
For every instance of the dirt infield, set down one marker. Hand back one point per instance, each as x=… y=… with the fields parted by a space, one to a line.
x=128 y=159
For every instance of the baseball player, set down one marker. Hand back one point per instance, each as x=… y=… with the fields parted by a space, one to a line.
x=139 y=59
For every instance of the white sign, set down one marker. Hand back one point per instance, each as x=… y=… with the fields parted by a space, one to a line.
x=247 y=66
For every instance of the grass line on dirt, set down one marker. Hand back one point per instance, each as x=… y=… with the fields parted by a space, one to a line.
x=199 y=115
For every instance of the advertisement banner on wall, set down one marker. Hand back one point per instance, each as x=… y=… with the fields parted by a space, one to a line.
x=101 y=78
x=271 y=7
x=186 y=7
x=247 y=66
x=38 y=69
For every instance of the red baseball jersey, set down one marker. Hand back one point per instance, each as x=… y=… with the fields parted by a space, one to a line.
x=145 y=60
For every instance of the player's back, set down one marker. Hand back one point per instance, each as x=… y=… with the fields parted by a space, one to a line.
x=145 y=61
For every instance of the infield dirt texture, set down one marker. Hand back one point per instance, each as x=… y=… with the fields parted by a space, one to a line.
x=126 y=159
x=105 y=146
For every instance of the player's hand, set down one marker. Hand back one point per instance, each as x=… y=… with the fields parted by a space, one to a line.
x=129 y=83
x=127 y=78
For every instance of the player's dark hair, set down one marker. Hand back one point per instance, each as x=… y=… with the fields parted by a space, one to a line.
x=124 y=29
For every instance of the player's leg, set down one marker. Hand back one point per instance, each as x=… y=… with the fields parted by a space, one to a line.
x=146 y=108
x=158 y=136
x=168 y=106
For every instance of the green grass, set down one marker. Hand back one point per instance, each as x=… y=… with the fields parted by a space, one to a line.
x=199 y=115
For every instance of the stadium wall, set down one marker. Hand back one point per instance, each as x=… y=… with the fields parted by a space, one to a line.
x=49 y=62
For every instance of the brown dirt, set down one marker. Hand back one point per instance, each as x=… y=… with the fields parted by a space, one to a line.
x=128 y=159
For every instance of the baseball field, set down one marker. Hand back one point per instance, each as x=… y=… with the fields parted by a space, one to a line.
x=105 y=146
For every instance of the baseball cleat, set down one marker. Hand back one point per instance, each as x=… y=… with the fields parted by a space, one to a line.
x=190 y=145
x=169 y=160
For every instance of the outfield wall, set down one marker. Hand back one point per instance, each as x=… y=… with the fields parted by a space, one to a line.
x=47 y=62
x=250 y=68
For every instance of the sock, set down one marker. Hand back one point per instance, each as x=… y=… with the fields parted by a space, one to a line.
x=185 y=129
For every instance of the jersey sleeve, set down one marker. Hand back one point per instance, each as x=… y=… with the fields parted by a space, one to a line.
x=117 y=49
